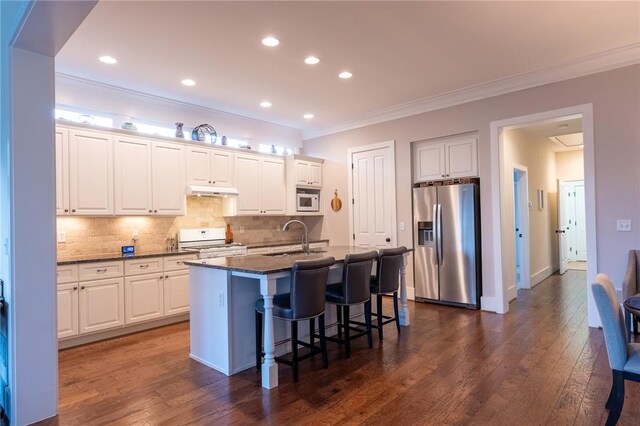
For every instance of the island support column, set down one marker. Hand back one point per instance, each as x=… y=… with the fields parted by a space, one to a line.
x=404 y=309
x=269 y=366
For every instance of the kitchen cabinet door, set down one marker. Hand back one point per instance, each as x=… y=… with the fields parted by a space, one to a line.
x=132 y=176
x=143 y=297
x=198 y=166
x=67 y=310
x=62 y=171
x=429 y=162
x=315 y=174
x=462 y=158
x=302 y=172
x=176 y=292
x=272 y=186
x=248 y=182
x=90 y=173
x=101 y=304
x=169 y=190
x=221 y=168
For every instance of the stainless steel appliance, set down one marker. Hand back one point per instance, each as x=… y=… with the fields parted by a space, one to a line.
x=307 y=201
x=447 y=242
x=208 y=243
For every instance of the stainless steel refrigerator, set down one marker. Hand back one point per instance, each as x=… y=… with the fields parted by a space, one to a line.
x=447 y=244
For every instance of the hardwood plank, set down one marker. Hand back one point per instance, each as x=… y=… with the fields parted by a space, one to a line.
x=539 y=364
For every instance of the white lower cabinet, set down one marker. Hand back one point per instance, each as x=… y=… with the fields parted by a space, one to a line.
x=67 y=310
x=101 y=304
x=143 y=297
x=176 y=292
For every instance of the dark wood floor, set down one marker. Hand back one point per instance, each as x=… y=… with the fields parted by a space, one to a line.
x=540 y=364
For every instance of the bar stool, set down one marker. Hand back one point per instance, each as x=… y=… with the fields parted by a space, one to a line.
x=387 y=281
x=304 y=302
x=353 y=290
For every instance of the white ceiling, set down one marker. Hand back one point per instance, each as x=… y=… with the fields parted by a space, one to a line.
x=567 y=130
x=398 y=52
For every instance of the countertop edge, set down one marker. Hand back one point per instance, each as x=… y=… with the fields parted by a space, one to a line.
x=109 y=257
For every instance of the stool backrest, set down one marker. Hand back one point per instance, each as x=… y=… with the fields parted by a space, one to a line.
x=308 y=284
x=615 y=335
x=388 y=270
x=356 y=277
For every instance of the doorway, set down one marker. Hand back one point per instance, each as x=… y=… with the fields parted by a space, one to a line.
x=372 y=189
x=521 y=227
x=572 y=230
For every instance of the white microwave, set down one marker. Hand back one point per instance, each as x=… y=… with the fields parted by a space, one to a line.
x=307 y=202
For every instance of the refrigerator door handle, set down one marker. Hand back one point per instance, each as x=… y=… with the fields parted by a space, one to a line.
x=436 y=232
x=440 y=248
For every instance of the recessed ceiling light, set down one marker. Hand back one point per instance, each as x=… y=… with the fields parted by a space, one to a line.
x=345 y=74
x=265 y=104
x=308 y=116
x=108 y=59
x=270 y=41
x=188 y=82
x=311 y=60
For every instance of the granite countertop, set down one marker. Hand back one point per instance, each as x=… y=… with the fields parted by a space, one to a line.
x=264 y=264
x=281 y=243
x=66 y=260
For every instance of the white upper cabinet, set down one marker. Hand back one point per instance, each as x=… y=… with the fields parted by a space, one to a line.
x=308 y=174
x=62 y=171
x=448 y=159
x=261 y=184
x=132 y=176
x=168 y=185
x=207 y=166
x=148 y=177
x=90 y=173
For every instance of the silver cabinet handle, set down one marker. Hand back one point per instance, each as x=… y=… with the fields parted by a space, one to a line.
x=101 y=271
x=144 y=266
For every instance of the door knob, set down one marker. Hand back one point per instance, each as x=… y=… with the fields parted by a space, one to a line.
x=520 y=235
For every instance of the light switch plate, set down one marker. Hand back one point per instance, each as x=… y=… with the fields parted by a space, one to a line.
x=134 y=234
x=623 y=225
x=62 y=237
x=241 y=229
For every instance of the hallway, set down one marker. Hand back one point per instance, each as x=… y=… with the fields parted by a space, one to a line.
x=539 y=364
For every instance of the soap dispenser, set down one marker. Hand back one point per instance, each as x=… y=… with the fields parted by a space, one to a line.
x=228 y=236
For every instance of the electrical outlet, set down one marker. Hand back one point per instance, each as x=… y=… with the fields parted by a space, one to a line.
x=402 y=226
x=134 y=235
x=62 y=237
x=241 y=229
x=623 y=225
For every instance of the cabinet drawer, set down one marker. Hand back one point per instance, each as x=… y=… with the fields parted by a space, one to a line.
x=100 y=270
x=147 y=265
x=175 y=263
x=67 y=274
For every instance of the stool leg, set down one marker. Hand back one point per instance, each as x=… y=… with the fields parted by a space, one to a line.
x=312 y=330
x=379 y=314
x=347 y=339
x=258 y=340
x=339 y=316
x=294 y=349
x=323 y=342
x=367 y=321
x=395 y=310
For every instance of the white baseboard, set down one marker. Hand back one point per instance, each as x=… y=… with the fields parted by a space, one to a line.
x=542 y=274
x=488 y=304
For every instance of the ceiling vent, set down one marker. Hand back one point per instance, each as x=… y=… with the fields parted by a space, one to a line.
x=572 y=140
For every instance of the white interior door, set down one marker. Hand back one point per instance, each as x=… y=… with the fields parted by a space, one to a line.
x=580 y=222
x=520 y=230
x=373 y=193
x=563 y=200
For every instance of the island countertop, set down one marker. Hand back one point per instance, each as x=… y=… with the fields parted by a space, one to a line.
x=269 y=264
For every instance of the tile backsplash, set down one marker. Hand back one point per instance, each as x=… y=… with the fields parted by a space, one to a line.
x=97 y=235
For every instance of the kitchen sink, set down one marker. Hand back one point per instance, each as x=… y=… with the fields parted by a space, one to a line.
x=294 y=253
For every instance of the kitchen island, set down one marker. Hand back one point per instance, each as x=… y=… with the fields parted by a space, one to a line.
x=223 y=292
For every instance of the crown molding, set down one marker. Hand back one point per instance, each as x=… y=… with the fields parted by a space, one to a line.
x=156 y=99
x=605 y=61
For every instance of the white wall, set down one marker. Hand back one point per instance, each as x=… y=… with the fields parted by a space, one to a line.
x=615 y=96
x=570 y=165
x=128 y=105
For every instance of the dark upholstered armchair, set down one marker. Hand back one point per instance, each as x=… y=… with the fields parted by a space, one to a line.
x=631 y=281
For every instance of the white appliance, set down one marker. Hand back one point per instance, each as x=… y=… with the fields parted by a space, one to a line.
x=211 y=191
x=208 y=243
x=307 y=202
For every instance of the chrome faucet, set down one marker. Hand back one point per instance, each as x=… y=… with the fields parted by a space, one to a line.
x=305 y=236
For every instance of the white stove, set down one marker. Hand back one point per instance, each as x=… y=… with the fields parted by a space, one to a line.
x=208 y=243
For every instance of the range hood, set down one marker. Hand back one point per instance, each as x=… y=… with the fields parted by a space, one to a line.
x=211 y=191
